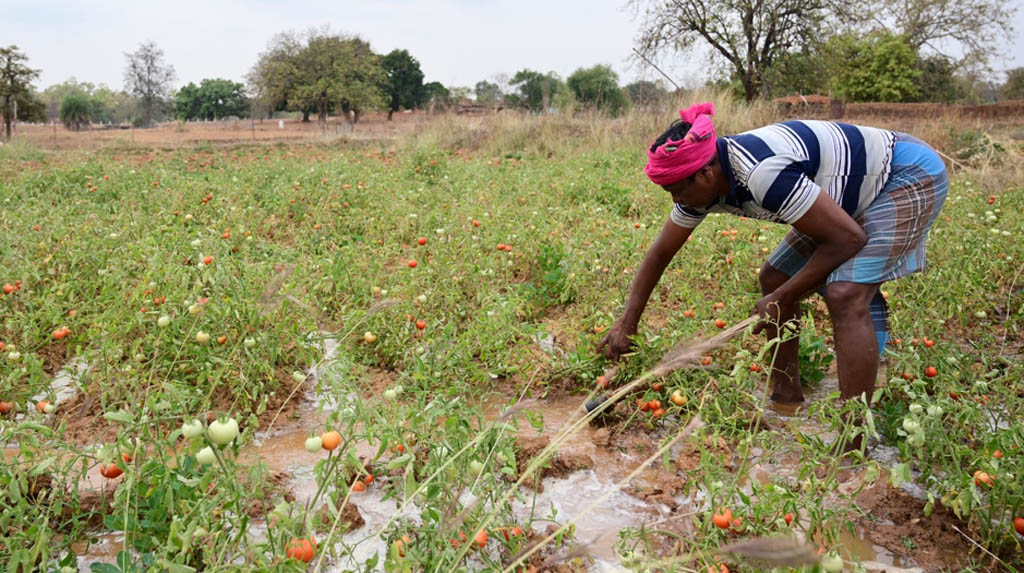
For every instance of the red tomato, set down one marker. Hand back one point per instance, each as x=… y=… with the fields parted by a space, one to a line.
x=928 y=342
x=480 y=538
x=412 y=264
x=1018 y=524
x=657 y=386
x=931 y=372
x=301 y=549
x=722 y=519
x=6 y=407
x=330 y=440
x=421 y=324
x=643 y=405
x=755 y=367
x=110 y=471
x=421 y=241
x=207 y=260
x=358 y=486
x=476 y=223
x=602 y=382
x=720 y=323
x=981 y=477
x=789 y=518
x=998 y=454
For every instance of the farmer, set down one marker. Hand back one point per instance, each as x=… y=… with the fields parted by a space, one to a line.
x=860 y=201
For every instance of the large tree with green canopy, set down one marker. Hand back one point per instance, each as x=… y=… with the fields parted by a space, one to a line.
x=404 y=86
x=16 y=87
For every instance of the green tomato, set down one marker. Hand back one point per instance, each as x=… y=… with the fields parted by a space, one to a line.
x=314 y=444
x=832 y=563
x=916 y=409
x=476 y=468
x=390 y=394
x=249 y=342
x=163 y=321
x=935 y=410
x=14 y=356
x=223 y=432
x=910 y=425
x=206 y=456
x=298 y=376
x=202 y=337
x=192 y=429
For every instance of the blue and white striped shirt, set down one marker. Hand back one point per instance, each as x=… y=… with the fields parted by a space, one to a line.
x=776 y=172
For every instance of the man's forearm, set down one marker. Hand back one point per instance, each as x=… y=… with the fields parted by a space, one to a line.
x=647 y=277
x=826 y=258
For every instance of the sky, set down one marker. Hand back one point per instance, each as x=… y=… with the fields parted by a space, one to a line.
x=457 y=42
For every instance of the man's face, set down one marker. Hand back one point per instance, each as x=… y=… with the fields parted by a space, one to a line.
x=697 y=194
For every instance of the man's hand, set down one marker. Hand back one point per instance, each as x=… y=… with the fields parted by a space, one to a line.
x=773 y=310
x=617 y=342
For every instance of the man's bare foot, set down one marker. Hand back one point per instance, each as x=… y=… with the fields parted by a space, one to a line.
x=788 y=398
x=787 y=394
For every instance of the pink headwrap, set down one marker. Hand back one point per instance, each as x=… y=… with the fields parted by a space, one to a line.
x=695 y=150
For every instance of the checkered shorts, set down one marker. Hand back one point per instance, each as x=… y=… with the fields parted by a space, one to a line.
x=896 y=223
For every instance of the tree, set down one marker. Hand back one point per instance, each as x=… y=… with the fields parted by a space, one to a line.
x=75 y=111
x=15 y=87
x=879 y=67
x=939 y=80
x=404 y=85
x=646 y=94
x=487 y=93
x=747 y=34
x=148 y=78
x=536 y=90
x=213 y=99
x=975 y=29
x=276 y=73
x=327 y=71
x=1014 y=86
x=598 y=87
x=802 y=71
x=437 y=96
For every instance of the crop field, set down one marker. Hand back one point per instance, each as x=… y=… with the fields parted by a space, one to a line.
x=373 y=356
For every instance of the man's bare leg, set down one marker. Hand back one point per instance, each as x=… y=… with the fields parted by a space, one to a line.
x=856 y=341
x=785 y=368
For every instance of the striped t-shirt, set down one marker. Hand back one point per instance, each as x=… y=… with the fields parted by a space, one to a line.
x=776 y=172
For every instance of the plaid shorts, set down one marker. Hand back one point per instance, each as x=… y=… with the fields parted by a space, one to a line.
x=896 y=222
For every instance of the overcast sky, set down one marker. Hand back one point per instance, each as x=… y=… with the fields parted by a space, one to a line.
x=457 y=42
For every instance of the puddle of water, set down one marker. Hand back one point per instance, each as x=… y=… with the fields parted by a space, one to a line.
x=857 y=547
x=98 y=548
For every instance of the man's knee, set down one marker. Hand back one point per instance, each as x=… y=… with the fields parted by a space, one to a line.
x=771 y=278
x=849 y=299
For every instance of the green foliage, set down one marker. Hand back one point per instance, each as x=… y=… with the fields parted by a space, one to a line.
x=16 y=87
x=646 y=94
x=878 y=67
x=938 y=81
x=212 y=99
x=487 y=93
x=325 y=73
x=1013 y=88
x=148 y=77
x=437 y=95
x=815 y=355
x=803 y=71
x=404 y=86
x=537 y=91
x=598 y=88
x=550 y=272
x=75 y=112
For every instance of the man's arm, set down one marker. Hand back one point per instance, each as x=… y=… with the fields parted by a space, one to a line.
x=839 y=237
x=659 y=255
